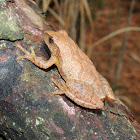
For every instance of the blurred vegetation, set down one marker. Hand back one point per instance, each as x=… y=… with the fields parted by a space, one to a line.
x=116 y=56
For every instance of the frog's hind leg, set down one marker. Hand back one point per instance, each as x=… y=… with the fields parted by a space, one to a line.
x=62 y=87
x=108 y=90
x=83 y=94
x=80 y=93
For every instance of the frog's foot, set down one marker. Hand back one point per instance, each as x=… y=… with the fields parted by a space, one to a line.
x=110 y=96
x=30 y=56
x=62 y=87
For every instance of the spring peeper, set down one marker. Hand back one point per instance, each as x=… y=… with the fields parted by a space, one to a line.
x=82 y=83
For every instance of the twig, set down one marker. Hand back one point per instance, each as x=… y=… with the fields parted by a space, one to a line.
x=73 y=12
x=118 y=15
x=85 y=2
x=115 y=33
x=135 y=57
x=57 y=5
x=121 y=55
x=87 y=9
x=82 y=28
x=45 y=5
x=56 y=16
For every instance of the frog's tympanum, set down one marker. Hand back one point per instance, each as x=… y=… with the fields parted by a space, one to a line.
x=82 y=83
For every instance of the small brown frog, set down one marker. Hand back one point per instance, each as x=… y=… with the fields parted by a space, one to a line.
x=83 y=84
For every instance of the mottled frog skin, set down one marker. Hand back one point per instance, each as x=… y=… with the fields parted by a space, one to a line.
x=82 y=83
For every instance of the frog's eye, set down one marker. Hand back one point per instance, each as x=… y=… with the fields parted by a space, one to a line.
x=51 y=40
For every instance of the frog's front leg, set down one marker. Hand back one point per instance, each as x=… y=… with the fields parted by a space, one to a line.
x=37 y=60
x=80 y=93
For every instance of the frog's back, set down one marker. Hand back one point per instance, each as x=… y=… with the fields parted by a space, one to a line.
x=75 y=64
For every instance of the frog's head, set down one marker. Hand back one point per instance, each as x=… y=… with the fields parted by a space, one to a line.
x=55 y=35
x=50 y=39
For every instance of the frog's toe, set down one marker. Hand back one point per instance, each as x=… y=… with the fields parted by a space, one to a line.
x=21 y=57
x=32 y=52
x=57 y=93
x=99 y=105
x=21 y=48
x=62 y=87
x=110 y=96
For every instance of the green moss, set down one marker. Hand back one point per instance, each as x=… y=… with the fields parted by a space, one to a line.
x=3 y=2
x=40 y=121
x=8 y=26
x=26 y=77
x=2 y=46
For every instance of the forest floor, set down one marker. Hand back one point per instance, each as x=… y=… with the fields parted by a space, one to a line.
x=106 y=55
